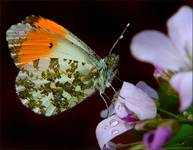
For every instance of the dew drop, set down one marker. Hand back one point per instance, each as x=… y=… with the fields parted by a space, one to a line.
x=121 y=36
x=113 y=123
x=115 y=132
x=105 y=127
x=119 y=107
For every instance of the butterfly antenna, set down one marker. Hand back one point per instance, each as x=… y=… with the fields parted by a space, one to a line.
x=107 y=97
x=107 y=107
x=120 y=37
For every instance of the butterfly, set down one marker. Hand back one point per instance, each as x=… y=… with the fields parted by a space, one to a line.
x=57 y=69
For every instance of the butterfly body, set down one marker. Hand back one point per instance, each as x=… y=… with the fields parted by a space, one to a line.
x=57 y=70
x=107 y=69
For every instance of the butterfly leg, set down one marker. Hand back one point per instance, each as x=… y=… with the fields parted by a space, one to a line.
x=113 y=88
x=107 y=97
x=118 y=78
x=101 y=94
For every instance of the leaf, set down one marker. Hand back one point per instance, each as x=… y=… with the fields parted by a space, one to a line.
x=138 y=147
x=183 y=138
x=168 y=98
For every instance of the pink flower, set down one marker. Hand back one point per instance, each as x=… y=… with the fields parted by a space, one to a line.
x=132 y=105
x=154 y=140
x=135 y=101
x=172 y=52
x=182 y=83
x=158 y=71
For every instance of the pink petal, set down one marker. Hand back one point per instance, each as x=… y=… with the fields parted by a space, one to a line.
x=180 y=30
x=158 y=71
x=121 y=109
x=137 y=101
x=147 y=89
x=110 y=128
x=156 y=48
x=113 y=146
x=154 y=140
x=182 y=83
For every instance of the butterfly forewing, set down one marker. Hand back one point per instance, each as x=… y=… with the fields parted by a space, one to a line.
x=37 y=37
x=40 y=22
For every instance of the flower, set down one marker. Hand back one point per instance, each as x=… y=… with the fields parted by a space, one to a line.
x=132 y=105
x=136 y=102
x=172 y=52
x=154 y=140
x=158 y=71
x=182 y=83
x=147 y=89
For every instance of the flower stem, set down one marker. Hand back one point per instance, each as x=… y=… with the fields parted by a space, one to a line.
x=186 y=121
x=182 y=120
x=168 y=113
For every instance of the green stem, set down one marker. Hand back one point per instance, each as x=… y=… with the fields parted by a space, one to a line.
x=175 y=116
x=186 y=121
x=168 y=113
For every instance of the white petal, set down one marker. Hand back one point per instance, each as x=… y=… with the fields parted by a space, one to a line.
x=156 y=48
x=137 y=101
x=147 y=89
x=182 y=83
x=106 y=130
x=180 y=30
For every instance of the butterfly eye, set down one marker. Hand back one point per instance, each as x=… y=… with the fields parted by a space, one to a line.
x=111 y=59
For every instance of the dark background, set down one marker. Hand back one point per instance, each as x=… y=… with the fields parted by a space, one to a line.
x=97 y=23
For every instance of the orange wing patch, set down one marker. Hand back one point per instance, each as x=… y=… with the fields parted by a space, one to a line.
x=28 y=43
x=34 y=38
x=41 y=22
x=38 y=44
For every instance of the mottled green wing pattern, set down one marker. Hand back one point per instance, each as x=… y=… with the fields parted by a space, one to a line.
x=50 y=86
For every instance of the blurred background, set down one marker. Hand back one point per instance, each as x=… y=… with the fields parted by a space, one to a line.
x=97 y=23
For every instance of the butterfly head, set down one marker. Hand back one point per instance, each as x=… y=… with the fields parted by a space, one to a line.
x=111 y=61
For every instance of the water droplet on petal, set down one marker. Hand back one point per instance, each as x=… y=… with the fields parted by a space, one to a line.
x=113 y=122
x=115 y=132
x=105 y=127
x=119 y=107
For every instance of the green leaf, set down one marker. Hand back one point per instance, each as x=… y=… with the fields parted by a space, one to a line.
x=190 y=110
x=138 y=147
x=168 y=98
x=182 y=139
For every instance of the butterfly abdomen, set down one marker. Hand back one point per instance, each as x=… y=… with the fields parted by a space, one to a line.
x=107 y=71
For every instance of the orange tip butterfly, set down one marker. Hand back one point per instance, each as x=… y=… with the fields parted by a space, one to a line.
x=57 y=69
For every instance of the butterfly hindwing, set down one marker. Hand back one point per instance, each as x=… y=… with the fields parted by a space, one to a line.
x=52 y=85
